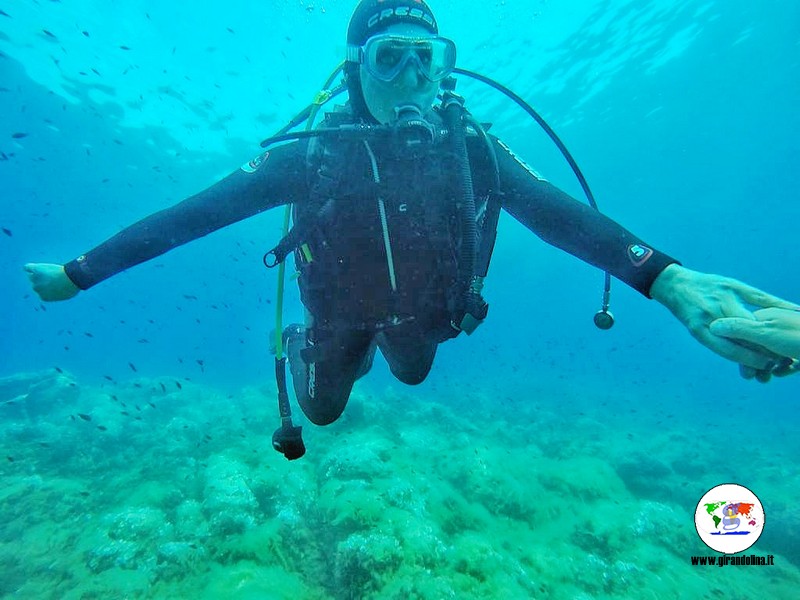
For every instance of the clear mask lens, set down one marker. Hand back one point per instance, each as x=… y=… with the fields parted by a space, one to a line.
x=386 y=56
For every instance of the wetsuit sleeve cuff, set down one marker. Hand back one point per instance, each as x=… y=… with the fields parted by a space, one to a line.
x=656 y=265
x=78 y=274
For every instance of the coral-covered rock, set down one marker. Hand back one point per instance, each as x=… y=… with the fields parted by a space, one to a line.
x=229 y=504
x=33 y=395
x=364 y=562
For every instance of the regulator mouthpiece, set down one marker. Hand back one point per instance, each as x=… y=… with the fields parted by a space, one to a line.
x=411 y=127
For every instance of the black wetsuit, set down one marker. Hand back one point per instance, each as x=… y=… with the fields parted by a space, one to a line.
x=348 y=288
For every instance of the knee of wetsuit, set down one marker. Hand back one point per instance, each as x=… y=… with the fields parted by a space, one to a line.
x=412 y=374
x=412 y=378
x=322 y=413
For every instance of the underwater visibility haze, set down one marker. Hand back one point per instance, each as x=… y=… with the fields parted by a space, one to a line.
x=541 y=458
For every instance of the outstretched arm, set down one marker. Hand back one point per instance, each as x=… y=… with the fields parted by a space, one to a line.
x=696 y=299
x=575 y=227
x=277 y=179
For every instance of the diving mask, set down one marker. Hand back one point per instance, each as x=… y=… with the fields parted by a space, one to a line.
x=386 y=56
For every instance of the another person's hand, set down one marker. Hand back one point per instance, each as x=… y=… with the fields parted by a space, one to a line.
x=776 y=329
x=698 y=299
x=50 y=281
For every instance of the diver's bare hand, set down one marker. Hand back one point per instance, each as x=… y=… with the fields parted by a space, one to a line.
x=776 y=329
x=50 y=281
x=698 y=299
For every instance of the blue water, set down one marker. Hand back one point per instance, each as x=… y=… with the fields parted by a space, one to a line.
x=682 y=115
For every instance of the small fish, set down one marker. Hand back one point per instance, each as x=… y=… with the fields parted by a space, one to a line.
x=230 y=30
x=7 y=232
x=47 y=33
x=84 y=494
x=102 y=428
x=151 y=404
x=124 y=48
x=143 y=341
x=59 y=369
x=86 y=33
x=10 y=458
x=5 y=14
x=190 y=297
x=163 y=388
x=133 y=367
x=208 y=437
x=44 y=444
x=125 y=412
x=178 y=383
x=88 y=334
x=137 y=407
x=108 y=377
x=19 y=135
x=85 y=417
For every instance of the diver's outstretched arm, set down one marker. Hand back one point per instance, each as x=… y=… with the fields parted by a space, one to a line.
x=271 y=179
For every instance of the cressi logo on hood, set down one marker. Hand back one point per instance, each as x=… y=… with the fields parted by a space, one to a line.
x=405 y=12
x=373 y=16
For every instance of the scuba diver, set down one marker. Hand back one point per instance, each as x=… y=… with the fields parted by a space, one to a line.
x=395 y=198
